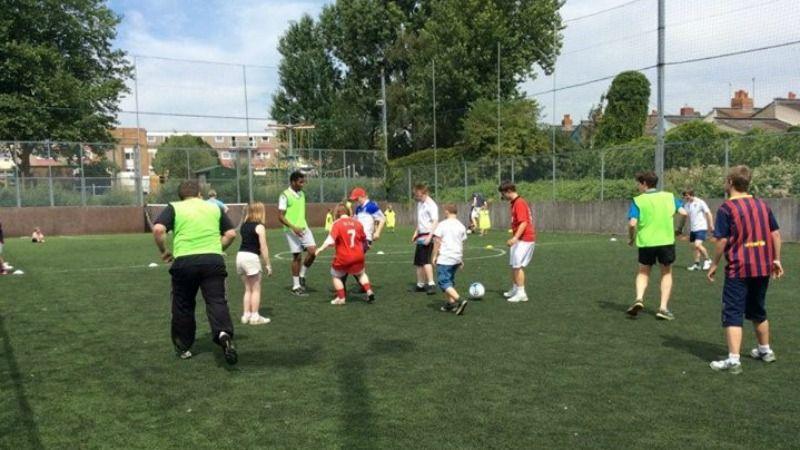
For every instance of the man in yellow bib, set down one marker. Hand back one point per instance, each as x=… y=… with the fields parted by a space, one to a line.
x=651 y=227
x=292 y=214
x=201 y=233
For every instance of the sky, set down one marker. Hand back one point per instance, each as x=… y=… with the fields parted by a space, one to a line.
x=597 y=44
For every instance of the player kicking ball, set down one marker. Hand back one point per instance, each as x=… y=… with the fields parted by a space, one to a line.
x=349 y=239
x=448 y=256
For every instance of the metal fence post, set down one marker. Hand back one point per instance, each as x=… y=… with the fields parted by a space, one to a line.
x=466 y=181
x=344 y=164
x=499 y=174
x=512 y=170
x=83 y=179
x=321 y=179
x=554 y=175
x=50 y=173
x=602 y=174
x=727 y=157
x=238 y=177
x=249 y=175
x=188 y=166
x=19 y=188
x=408 y=175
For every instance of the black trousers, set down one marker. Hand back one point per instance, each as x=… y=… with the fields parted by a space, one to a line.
x=189 y=274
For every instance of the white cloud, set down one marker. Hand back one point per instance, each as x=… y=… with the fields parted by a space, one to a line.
x=234 y=33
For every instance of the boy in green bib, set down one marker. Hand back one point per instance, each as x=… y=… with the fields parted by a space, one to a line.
x=292 y=214
x=652 y=228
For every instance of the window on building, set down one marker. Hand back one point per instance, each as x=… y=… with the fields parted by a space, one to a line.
x=151 y=139
x=233 y=141
x=219 y=139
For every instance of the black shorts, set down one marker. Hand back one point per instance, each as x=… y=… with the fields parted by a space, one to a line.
x=422 y=254
x=665 y=254
x=744 y=297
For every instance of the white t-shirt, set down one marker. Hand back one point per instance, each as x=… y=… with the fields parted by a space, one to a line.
x=368 y=214
x=427 y=213
x=697 y=210
x=452 y=234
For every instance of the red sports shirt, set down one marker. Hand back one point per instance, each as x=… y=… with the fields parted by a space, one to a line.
x=348 y=235
x=521 y=213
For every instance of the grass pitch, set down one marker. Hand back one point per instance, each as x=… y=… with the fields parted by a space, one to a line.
x=86 y=360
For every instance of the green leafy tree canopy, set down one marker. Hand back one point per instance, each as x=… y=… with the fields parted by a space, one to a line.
x=626 y=112
x=180 y=156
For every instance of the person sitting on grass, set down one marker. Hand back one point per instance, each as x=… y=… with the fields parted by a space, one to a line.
x=448 y=255
x=349 y=239
x=37 y=237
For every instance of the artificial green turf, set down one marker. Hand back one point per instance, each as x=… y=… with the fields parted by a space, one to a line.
x=86 y=359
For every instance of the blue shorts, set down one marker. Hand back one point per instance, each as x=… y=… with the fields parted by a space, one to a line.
x=446 y=276
x=744 y=297
x=698 y=235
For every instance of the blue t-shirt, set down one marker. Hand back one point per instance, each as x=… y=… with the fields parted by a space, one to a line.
x=633 y=212
x=216 y=202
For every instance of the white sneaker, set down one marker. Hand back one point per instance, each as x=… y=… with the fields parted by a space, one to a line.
x=706 y=264
x=510 y=293
x=258 y=319
x=726 y=365
x=7 y=266
x=694 y=267
x=246 y=318
x=337 y=301
x=518 y=297
x=766 y=357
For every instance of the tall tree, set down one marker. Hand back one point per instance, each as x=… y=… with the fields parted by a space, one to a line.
x=60 y=77
x=180 y=156
x=626 y=112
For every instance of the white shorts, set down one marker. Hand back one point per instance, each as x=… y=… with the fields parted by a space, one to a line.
x=520 y=254
x=248 y=264
x=475 y=214
x=298 y=244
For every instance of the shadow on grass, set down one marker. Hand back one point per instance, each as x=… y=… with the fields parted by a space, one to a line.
x=613 y=306
x=705 y=351
x=26 y=422
x=358 y=419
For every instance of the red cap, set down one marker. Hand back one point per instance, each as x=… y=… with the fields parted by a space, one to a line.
x=357 y=192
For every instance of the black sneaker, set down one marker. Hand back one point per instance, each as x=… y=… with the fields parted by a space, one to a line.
x=430 y=289
x=300 y=291
x=419 y=288
x=370 y=298
x=460 y=307
x=231 y=357
x=303 y=282
x=448 y=307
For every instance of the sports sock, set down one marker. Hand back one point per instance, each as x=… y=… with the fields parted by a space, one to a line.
x=340 y=294
x=296 y=282
x=420 y=284
x=303 y=270
x=367 y=287
x=764 y=349
x=520 y=290
x=733 y=357
x=431 y=283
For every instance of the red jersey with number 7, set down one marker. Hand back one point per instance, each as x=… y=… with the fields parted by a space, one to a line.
x=348 y=235
x=521 y=213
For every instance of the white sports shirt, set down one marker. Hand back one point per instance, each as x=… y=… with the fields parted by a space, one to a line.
x=452 y=234
x=427 y=214
x=697 y=210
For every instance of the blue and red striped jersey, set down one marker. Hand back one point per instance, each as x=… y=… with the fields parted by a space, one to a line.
x=747 y=223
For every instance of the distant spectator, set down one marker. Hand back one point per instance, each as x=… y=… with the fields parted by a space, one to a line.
x=37 y=237
x=474 y=212
x=391 y=219
x=212 y=198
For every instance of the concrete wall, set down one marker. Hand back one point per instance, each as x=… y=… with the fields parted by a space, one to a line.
x=602 y=217
x=72 y=220
x=585 y=217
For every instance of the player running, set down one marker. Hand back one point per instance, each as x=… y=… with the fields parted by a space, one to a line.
x=700 y=224
x=292 y=214
x=349 y=239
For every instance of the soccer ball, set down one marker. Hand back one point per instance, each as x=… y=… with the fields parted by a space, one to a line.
x=476 y=290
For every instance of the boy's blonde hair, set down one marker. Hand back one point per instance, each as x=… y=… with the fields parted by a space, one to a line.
x=256 y=212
